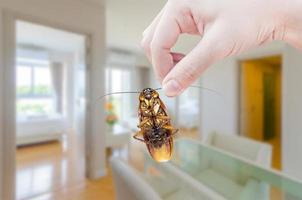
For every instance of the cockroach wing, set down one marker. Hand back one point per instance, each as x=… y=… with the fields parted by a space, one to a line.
x=162 y=153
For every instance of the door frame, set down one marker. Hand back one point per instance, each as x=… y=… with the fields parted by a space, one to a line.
x=270 y=53
x=240 y=63
x=267 y=51
x=9 y=140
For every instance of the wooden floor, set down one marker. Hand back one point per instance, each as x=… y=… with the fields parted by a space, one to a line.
x=191 y=133
x=276 y=157
x=56 y=171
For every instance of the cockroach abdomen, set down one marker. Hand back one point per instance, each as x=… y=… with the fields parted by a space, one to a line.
x=163 y=152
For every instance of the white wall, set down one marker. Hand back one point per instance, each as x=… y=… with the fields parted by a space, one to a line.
x=75 y=16
x=292 y=112
x=1 y=109
x=126 y=20
x=219 y=111
x=67 y=59
x=71 y=62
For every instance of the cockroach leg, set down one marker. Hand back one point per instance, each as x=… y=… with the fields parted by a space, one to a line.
x=136 y=136
x=164 y=120
x=164 y=123
x=168 y=127
x=163 y=117
x=142 y=123
x=174 y=131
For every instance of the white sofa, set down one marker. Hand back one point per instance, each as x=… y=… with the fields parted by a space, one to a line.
x=199 y=174
x=258 y=152
x=167 y=183
x=224 y=177
x=129 y=185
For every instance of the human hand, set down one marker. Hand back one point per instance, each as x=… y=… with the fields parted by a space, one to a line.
x=227 y=27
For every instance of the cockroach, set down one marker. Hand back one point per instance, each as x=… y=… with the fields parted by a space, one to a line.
x=155 y=128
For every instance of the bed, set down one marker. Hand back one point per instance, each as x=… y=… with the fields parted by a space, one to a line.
x=40 y=129
x=189 y=114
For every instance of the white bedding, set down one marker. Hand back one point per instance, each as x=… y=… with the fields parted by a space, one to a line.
x=189 y=114
x=39 y=129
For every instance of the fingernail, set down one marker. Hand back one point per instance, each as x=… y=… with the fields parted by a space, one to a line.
x=172 y=88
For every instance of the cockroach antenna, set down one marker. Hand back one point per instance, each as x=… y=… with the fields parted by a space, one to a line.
x=196 y=86
x=204 y=88
x=137 y=92
x=108 y=94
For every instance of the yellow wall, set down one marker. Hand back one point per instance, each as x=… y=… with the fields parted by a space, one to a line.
x=251 y=102
x=278 y=98
x=252 y=72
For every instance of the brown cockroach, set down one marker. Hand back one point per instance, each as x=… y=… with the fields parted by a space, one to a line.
x=155 y=126
x=156 y=130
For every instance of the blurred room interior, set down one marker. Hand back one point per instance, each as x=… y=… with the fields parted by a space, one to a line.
x=239 y=136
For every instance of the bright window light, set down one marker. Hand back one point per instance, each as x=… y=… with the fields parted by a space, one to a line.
x=34 y=89
x=118 y=80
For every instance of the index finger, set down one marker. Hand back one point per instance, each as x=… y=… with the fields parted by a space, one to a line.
x=165 y=37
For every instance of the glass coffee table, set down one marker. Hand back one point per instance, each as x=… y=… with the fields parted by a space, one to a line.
x=206 y=172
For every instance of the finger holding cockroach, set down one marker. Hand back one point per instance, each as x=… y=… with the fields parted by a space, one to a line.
x=155 y=128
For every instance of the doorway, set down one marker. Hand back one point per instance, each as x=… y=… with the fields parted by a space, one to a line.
x=188 y=112
x=260 y=102
x=51 y=92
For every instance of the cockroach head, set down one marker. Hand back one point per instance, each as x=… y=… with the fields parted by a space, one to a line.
x=148 y=93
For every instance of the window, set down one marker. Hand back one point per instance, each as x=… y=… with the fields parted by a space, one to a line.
x=188 y=106
x=119 y=80
x=34 y=88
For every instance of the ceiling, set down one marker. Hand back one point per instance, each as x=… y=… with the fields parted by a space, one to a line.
x=48 y=38
x=126 y=20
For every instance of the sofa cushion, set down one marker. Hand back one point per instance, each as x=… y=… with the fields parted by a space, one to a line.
x=221 y=184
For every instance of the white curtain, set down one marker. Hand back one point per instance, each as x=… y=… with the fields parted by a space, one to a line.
x=56 y=69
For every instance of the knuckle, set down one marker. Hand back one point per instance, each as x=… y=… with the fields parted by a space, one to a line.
x=215 y=51
x=153 y=45
x=222 y=50
x=184 y=10
x=145 y=45
x=190 y=75
x=159 y=73
x=180 y=5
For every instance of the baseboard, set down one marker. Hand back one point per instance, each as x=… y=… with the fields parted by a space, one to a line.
x=33 y=139
x=97 y=174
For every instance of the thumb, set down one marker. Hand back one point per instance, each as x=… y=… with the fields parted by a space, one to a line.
x=187 y=70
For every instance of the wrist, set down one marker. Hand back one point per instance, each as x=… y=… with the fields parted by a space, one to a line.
x=290 y=17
